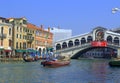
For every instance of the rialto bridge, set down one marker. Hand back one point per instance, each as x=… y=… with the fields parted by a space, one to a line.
x=100 y=42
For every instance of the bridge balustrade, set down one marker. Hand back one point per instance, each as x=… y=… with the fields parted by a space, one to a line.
x=114 y=45
x=74 y=47
x=111 y=44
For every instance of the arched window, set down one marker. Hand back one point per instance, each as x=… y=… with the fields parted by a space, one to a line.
x=89 y=39
x=109 y=39
x=77 y=42
x=24 y=45
x=58 y=47
x=40 y=51
x=17 y=28
x=64 y=45
x=9 y=31
x=83 y=41
x=99 y=35
x=70 y=44
x=43 y=50
x=116 y=40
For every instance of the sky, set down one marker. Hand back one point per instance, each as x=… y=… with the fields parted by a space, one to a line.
x=81 y=16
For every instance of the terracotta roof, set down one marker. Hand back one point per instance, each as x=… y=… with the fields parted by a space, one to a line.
x=32 y=26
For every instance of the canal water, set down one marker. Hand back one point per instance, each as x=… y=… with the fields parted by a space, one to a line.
x=79 y=71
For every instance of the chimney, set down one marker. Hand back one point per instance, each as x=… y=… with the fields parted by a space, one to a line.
x=48 y=29
x=41 y=26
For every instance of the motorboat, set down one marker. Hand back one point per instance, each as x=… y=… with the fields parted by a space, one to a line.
x=114 y=63
x=55 y=63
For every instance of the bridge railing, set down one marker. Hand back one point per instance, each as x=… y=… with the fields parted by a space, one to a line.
x=74 y=47
x=84 y=46
x=113 y=44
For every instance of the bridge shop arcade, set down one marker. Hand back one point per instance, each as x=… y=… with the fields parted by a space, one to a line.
x=99 y=43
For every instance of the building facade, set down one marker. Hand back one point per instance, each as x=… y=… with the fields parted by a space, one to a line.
x=16 y=34
x=43 y=39
x=30 y=35
x=5 y=35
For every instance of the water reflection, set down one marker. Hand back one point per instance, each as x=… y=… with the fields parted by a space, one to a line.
x=79 y=71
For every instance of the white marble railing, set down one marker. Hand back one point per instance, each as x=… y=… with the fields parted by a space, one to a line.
x=84 y=46
x=74 y=47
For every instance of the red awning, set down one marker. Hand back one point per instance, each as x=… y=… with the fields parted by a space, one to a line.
x=7 y=50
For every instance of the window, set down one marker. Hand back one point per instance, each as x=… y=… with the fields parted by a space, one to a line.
x=17 y=45
x=17 y=28
x=2 y=30
x=23 y=29
x=16 y=35
x=3 y=20
x=24 y=45
x=20 y=36
x=9 y=31
x=24 y=22
x=10 y=42
x=20 y=45
x=20 y=29
x=20 y=23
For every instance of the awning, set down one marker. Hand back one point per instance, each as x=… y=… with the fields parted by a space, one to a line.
x=20 y=50
x=31 y=50
x=50 y=48
x=7 y=50
x=1 y=49
x=28 y=50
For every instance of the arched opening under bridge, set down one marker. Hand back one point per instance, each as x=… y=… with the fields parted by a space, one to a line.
x=96 y=52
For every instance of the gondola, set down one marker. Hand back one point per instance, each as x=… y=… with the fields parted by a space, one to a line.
x=31 y=59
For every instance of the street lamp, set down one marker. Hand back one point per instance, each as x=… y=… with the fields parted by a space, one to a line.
x=114 y=10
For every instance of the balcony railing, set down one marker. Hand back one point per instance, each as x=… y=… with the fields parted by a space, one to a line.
x=30 y=39
x=2 y=36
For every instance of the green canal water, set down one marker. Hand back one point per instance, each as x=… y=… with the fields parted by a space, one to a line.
x=79 y=71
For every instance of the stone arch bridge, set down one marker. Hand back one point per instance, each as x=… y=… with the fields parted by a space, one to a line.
x=100 y=42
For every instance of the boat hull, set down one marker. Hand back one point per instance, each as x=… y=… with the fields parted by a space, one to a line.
x=32 y=59
x=114 y=63
x=55 y=63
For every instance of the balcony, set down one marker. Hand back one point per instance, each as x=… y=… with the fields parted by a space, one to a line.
x=30 y=39
x=29 y=33
x=2 y=36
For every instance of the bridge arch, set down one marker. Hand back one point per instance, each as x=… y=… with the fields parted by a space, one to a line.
x=109 y=39
x=64 y=45
x=70 y=43
x=105 y=52
x=77 y=42
x=116 y=41
x=89 y=39
x=58 y=46
x=98 y=37
x=83 y=40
